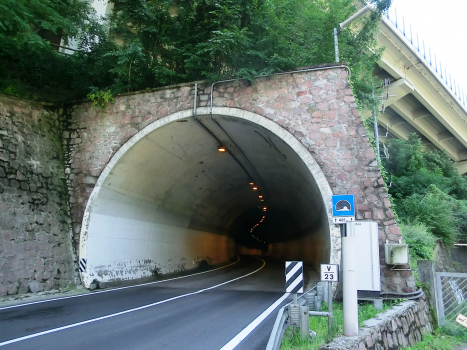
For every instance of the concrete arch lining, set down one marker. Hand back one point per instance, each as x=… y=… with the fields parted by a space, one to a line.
x=314 y=170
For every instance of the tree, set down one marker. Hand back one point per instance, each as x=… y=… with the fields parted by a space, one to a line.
x=164 y=42
x=32 y=67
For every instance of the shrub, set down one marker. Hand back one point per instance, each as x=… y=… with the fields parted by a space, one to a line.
x=420 y=240
x=436 y=209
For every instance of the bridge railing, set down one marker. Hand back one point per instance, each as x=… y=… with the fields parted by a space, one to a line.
x=426 y=55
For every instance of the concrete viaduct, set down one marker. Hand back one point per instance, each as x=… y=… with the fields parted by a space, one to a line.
x=140 y=187
x=422 y=99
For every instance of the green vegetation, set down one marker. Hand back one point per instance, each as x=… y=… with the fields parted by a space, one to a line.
x=31 y=65
x=292 y=340
x=162 y=42
x=443 y=338
x=430 y=198
x=100 y=98
x=427 y=191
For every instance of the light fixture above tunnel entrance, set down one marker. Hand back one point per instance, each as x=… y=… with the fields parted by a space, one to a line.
x=221 y=149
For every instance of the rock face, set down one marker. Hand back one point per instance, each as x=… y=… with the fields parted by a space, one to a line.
x=398 y=328
x=317 y=106
x=35 y=241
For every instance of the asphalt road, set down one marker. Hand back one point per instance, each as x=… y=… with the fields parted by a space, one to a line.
x=203 y=311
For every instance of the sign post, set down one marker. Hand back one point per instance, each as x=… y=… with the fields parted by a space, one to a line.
x=329 y=274
x=343 y=211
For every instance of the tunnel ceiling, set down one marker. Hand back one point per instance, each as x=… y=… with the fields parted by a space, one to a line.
x=178 y=168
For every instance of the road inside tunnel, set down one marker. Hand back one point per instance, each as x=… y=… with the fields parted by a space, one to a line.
x=173 y=201
x=209 y=310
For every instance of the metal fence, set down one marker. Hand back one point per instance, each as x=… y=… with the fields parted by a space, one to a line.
x=451 y=290
x=426 y=55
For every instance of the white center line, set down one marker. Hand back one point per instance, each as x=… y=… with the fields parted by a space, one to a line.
x=126 y=311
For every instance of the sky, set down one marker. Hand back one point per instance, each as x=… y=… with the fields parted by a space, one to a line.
x=443 y=27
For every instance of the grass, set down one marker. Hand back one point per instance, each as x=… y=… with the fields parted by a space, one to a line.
x=293 y=341
x=444 y=338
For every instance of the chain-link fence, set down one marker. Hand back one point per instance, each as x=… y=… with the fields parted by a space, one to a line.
x=451 y=290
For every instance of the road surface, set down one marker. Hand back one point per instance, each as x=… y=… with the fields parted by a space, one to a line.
x=203 y=311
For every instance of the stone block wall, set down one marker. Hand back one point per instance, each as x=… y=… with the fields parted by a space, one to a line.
x=35 y=242
x=44 y=191
x=316 y=106
x=398 y=328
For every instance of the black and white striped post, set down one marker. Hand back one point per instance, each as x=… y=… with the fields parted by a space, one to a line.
x=294 y=277
x=82 y=265
x=294 y=284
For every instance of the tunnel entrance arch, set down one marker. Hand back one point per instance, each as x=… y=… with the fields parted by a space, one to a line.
x=155 y=210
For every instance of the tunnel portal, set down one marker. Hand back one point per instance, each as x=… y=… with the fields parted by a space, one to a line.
x=151 y=193
x=175 y=198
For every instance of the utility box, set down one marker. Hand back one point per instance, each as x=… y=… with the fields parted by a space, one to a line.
x=368 y=264
x=396 y=254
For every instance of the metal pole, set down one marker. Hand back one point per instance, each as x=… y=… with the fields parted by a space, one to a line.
x=349 y=271
x=304 y=321
x=329 y=308
x=195 y=99
x=375 y=125
x=295 y=302
x=336 y=47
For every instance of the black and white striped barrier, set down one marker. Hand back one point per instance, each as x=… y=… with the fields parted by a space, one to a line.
x=294 y=276
x=82 y=265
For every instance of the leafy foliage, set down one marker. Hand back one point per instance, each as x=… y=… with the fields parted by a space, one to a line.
x=32 y=66
x=427 y=189
x=167 y=42
x=100 y=98
x=413 y=169
x=162 y=42
x=420 y=240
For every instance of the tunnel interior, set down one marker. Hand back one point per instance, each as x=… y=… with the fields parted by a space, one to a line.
x=174 y=200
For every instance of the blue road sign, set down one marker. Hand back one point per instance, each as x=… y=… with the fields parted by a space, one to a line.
x=343 y=205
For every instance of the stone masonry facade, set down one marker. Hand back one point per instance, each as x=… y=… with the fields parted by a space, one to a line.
x=398 y=328
x=35 y=240
x=315 y=105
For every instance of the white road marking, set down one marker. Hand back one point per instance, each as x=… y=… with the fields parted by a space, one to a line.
x=126 y=311
x=232 y=344
x=114 y=289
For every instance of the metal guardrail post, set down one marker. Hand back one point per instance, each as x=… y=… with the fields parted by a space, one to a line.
x=275 y=338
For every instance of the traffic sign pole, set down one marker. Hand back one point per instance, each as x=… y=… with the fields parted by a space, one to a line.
x=349 y=271
x=329 y=274
x=330 y=316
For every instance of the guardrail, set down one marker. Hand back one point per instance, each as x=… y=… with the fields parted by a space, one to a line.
x=430 y=61
x=312 y=299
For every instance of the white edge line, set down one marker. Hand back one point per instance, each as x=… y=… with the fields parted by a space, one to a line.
x=232 y=344
x=114 y=289
x=126 y=311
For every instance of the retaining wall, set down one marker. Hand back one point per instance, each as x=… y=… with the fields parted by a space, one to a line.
x=398 y=328
x=35 y=237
